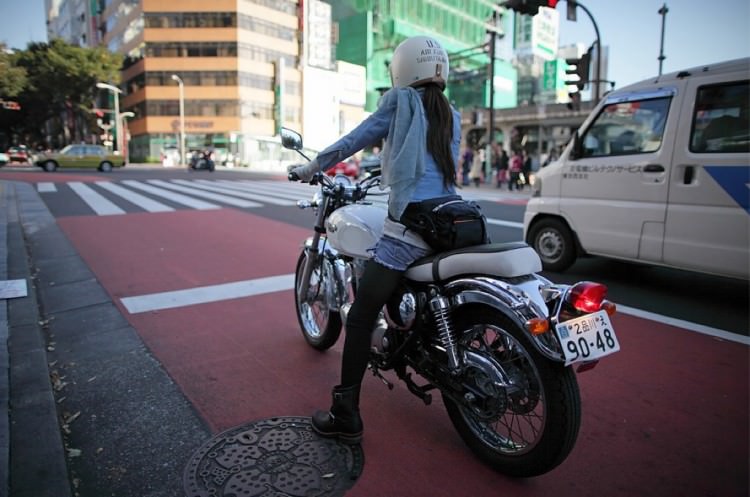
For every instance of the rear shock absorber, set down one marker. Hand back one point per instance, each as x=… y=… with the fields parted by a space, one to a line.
x=440 y=308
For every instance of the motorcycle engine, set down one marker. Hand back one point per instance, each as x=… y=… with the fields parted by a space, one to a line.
x=401 y=309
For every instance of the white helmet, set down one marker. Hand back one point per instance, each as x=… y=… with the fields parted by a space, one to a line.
x=419 y=60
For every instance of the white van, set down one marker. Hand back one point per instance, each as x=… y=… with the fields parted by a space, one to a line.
x=658 y=173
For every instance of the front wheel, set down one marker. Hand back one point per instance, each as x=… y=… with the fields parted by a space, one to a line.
x=320 y=325
x=554 y=242
x=105 y=167
x=523 y=430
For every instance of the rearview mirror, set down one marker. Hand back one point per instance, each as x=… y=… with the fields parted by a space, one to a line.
x=291 y=139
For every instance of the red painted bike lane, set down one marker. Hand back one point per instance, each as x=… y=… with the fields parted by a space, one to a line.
x=668 y=415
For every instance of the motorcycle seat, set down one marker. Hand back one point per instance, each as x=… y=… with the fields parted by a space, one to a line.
x=506 y=260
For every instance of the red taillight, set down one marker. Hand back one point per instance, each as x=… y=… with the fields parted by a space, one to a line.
x=587 y=296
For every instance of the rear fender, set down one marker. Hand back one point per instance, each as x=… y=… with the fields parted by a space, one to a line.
x=519 y=302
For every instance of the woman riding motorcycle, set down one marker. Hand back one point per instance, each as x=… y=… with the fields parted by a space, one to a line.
x=422 y=133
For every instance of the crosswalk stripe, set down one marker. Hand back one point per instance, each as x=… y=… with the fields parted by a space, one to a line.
x=200 y=193
x=135 y=198
x=229 y=190
x=267 y=190
x=174 y=197
x=45 y=186
x=96 y=201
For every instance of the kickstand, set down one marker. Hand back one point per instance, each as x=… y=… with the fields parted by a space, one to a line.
x=377 y=374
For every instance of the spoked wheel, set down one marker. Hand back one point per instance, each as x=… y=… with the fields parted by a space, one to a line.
x=320 y=325
x=526 y=429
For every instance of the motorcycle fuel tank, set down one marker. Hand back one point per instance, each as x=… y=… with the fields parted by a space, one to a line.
x=353 y=229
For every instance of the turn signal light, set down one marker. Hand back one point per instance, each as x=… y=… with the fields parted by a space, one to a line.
x=610 y=307
x=587 y=296
x=537 y=326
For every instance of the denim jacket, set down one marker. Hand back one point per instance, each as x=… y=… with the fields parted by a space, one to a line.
x=408 y=169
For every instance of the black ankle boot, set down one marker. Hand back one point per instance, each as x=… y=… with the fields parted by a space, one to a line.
x=342 y=421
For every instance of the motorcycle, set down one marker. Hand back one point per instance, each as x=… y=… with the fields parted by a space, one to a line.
x=202 y=160
x=498 y=341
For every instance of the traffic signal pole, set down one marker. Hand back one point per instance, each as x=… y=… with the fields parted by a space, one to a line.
x=491 y=124
x=598 y=80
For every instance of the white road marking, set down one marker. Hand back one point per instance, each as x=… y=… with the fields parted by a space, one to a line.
x=135 y=198
x=204 y=194
x=283 y=282
x=280 y=192
x=699 y=328
x=98 y=203
x=205 y=294
x=174 y=197
x=229 y=190
x=45 y=187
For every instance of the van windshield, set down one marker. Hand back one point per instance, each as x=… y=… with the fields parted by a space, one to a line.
x=624 y=128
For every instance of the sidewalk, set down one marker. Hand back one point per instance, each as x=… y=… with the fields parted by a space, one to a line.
x=84 y=407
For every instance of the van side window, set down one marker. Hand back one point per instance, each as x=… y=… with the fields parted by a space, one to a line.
x=625 y=128
x=721 y=121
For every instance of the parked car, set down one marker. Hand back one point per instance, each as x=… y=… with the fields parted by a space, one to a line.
x=348 y=168
x=4 y=159
x=80 y=156
x=19 y=154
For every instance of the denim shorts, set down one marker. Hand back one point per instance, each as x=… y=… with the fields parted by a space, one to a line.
x=397 y=254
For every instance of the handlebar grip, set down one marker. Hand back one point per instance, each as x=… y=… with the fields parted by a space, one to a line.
x=293 y=176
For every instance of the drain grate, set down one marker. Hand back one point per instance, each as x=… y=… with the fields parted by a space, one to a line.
x=276 y=457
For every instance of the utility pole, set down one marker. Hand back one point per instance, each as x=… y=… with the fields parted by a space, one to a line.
x=663 y=12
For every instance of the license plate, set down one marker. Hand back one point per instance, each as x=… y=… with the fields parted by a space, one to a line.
x=587 y=338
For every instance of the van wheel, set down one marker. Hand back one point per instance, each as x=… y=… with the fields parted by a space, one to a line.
x=554 y=242
x=105 y=167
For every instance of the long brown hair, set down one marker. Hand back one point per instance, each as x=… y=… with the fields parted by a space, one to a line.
x=440 y=131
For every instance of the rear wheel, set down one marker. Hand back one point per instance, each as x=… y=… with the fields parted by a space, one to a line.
x=554 y=242
x=320 y=325
x=528 y=428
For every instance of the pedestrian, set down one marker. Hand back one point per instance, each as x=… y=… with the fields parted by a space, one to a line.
x=415 y=170
x=467 y=160
x=516 y=168
x=477 y=166
x=526 y=170
x=502 y=166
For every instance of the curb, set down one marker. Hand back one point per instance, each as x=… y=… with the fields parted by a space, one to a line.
x=118 y=423
x=34 y=452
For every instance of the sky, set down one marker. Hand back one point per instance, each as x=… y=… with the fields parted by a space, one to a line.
x=696 y=32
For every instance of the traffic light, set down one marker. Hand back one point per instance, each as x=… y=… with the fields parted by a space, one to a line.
x=529 y=7
x=579 y=69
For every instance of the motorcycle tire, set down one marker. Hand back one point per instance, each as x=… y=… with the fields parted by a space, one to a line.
x=320 y=325
x=521 y=433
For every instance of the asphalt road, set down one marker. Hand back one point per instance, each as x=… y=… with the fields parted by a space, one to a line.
x=655 y=415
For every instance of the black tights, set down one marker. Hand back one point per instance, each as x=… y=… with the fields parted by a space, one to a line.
x=377 y=284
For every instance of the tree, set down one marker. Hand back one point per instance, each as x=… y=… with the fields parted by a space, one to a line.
x=12 y=78
x=57 y=102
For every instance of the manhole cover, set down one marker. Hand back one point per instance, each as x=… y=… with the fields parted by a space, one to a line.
x=274 y=457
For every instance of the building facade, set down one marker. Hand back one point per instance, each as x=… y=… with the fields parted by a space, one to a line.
x=318 y=66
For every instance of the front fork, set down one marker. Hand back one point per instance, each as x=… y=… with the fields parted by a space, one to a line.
x=313 y=254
